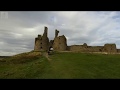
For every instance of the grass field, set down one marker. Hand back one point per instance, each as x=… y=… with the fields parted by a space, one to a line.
x=65 y=65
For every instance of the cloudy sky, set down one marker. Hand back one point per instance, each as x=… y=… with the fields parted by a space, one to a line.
x=18 y=29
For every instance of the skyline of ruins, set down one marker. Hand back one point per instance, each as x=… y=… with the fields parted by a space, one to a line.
x=17 y=32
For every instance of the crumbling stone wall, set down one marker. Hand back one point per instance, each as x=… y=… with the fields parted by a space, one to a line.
x=45 y=40
x=60 y=43
x=68 y=48
x=110 y=48
x=42 y=42
x=81 y=48
x=85 y=48
x=56 y=43
x=77 y=48
x=94 y=48
x=37 y=44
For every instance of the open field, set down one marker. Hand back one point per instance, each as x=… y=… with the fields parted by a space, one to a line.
x=62 y=65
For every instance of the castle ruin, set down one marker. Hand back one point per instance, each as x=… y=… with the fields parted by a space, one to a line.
x=59 y=43
x=42 y=41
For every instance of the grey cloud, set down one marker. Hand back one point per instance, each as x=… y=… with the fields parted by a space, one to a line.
x=31 y=18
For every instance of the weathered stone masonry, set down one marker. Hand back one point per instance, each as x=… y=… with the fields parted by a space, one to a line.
x=42 y=42
x=59 y=43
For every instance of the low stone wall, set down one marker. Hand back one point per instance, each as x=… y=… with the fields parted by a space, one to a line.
x=94 y=48
x=82 y=48
x=77 y=48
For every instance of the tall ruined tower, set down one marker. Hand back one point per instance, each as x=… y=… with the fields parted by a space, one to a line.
x=60 y=42
x=38 y=40
x=42 y=42
x=45 y=40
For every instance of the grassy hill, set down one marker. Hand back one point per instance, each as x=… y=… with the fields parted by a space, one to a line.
x=60 y=65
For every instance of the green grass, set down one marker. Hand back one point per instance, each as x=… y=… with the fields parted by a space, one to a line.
x=65 y=65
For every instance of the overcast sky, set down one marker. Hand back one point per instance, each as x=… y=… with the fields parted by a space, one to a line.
x=19 y=29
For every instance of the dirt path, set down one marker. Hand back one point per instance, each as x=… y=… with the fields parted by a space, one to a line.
x=47 y=56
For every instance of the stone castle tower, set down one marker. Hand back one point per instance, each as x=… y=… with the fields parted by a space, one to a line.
x=60 y=42
x=42 y=41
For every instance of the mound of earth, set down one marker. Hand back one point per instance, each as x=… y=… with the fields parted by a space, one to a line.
x=22 y=57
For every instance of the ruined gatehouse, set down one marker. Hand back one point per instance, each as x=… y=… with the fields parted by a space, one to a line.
x=59 y=43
